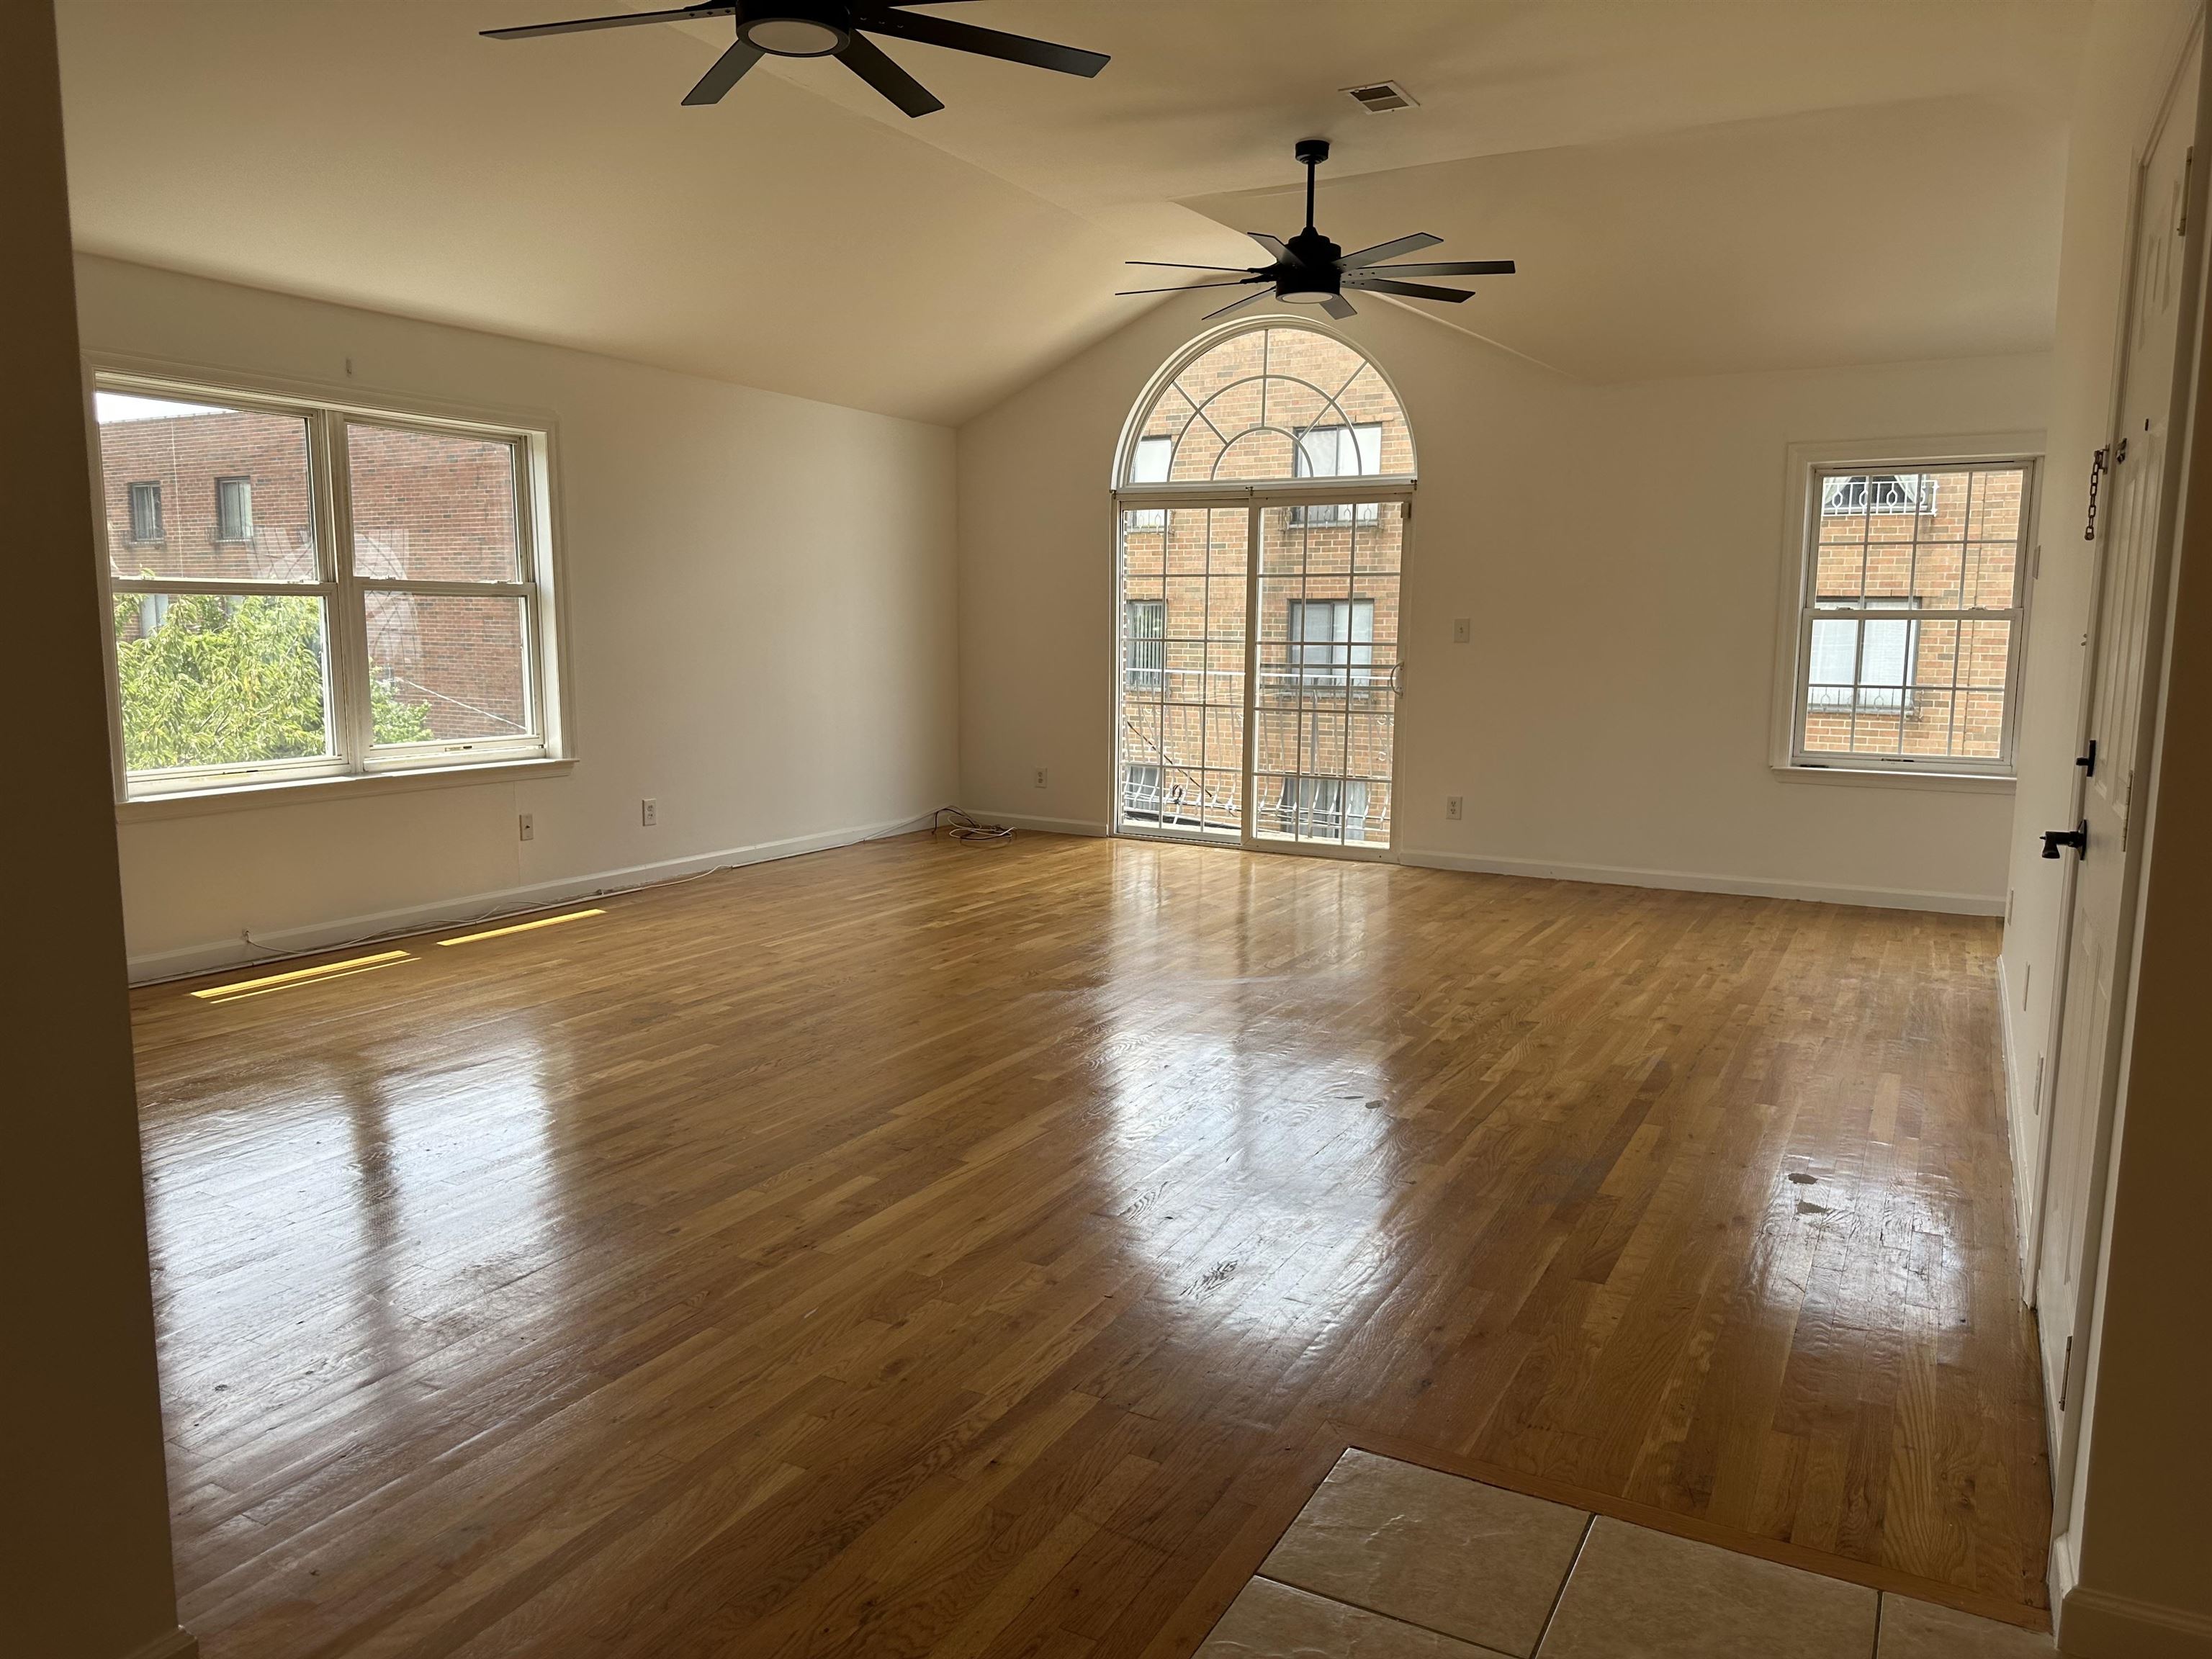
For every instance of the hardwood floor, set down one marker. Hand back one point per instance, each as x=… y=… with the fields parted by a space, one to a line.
x=926 y=1249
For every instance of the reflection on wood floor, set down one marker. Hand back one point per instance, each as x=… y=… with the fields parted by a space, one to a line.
x=921 y=1247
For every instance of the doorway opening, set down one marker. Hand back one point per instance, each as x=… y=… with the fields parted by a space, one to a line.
x=1263 y=501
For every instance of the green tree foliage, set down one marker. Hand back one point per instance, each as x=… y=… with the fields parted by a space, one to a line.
x=225 y=681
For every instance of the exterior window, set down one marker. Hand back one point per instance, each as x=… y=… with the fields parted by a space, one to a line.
x=145 y=512
x=233 y=510
x=1149 y=464
x=1143 y=635
x=1330 y=809
x=1333 y=641
x=1140 y=792
x=401 y=625
x=1933 y=688
x=1861 y=664
x=1338 y=452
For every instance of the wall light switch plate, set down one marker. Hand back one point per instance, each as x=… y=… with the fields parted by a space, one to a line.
x=648 y=811
x=1463 y=630
x=527 y=825
x=1455 y=806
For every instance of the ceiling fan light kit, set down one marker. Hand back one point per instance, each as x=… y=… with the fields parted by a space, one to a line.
x=831 y=28
x=1311 y=269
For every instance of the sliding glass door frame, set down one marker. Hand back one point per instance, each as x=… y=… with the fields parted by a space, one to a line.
x=1391 y=494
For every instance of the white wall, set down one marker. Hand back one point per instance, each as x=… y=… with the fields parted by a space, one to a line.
x=2128 y=59
x=759 y=596
x=1618 y=550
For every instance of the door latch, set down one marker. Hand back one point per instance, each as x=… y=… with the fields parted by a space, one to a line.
x=2096 y=470
x=2089 y=762
x=2077 y=838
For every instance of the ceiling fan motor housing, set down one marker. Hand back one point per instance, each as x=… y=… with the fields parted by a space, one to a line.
x=1314 y=276
x=796 y=29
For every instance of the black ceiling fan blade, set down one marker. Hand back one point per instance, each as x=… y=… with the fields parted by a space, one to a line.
x=1277 y=248
x=866 y=59
x=1237 y=305
x=1410 y=290
x=1381 y=251
x=1340 y=307
x=1183 y=288
x=578 y=25
x=991 y=43
x=1177 y=264
x=727 y=71
x=1447 y=268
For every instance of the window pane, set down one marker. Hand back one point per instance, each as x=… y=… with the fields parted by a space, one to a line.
x=205 y=491
x=212 y=679
x=446 y=668
x=432 y=506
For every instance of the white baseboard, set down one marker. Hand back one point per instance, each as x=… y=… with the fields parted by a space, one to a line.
x=2059 y=1573
x=2094 y=1624
x=215 y=955
x=179 y=1644
x=1045 y=826
x=1886 y=898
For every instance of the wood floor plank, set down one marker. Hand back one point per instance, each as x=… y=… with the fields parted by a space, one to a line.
x=923 y=1248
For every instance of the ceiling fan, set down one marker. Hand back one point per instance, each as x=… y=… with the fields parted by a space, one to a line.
x=829 y=28
x=1310 y=270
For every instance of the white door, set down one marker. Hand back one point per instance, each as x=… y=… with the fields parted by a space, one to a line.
x=2135 y=525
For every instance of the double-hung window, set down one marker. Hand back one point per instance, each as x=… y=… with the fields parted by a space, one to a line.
x=335 y=591
x=1149 y=464
x=1338 y=452
x=145 y=512
x=1912 y=592
x=1333 y=641
x=1143 y=642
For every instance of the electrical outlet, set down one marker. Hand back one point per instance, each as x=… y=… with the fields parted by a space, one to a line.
x=1455 y=806
x=648 y=811
x=1463 y=630
x=1043 y=778
x=527 y=827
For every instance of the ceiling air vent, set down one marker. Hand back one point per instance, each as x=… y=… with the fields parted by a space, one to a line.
x=1378 y=97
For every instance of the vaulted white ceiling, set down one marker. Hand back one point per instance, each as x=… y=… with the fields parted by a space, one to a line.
x=1690 y=185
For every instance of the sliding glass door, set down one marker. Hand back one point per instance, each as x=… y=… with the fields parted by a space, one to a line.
x=1258 y=672
x=1325 y=692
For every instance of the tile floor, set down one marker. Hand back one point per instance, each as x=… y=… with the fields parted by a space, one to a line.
x=1389 y=1561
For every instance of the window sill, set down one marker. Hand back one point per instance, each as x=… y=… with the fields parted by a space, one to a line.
x=239 y=798
x=1963 y=783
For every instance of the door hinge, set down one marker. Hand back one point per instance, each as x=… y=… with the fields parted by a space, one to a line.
x=2187 y=166
x=2066 y=1374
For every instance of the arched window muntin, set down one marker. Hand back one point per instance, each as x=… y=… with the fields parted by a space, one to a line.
x=1339 y=401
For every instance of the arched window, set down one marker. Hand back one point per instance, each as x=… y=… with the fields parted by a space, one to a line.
x=1264 y=486
x=1268 y=404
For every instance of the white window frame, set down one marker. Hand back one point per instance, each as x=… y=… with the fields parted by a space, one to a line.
x=357 y=763
x=1808 y=464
